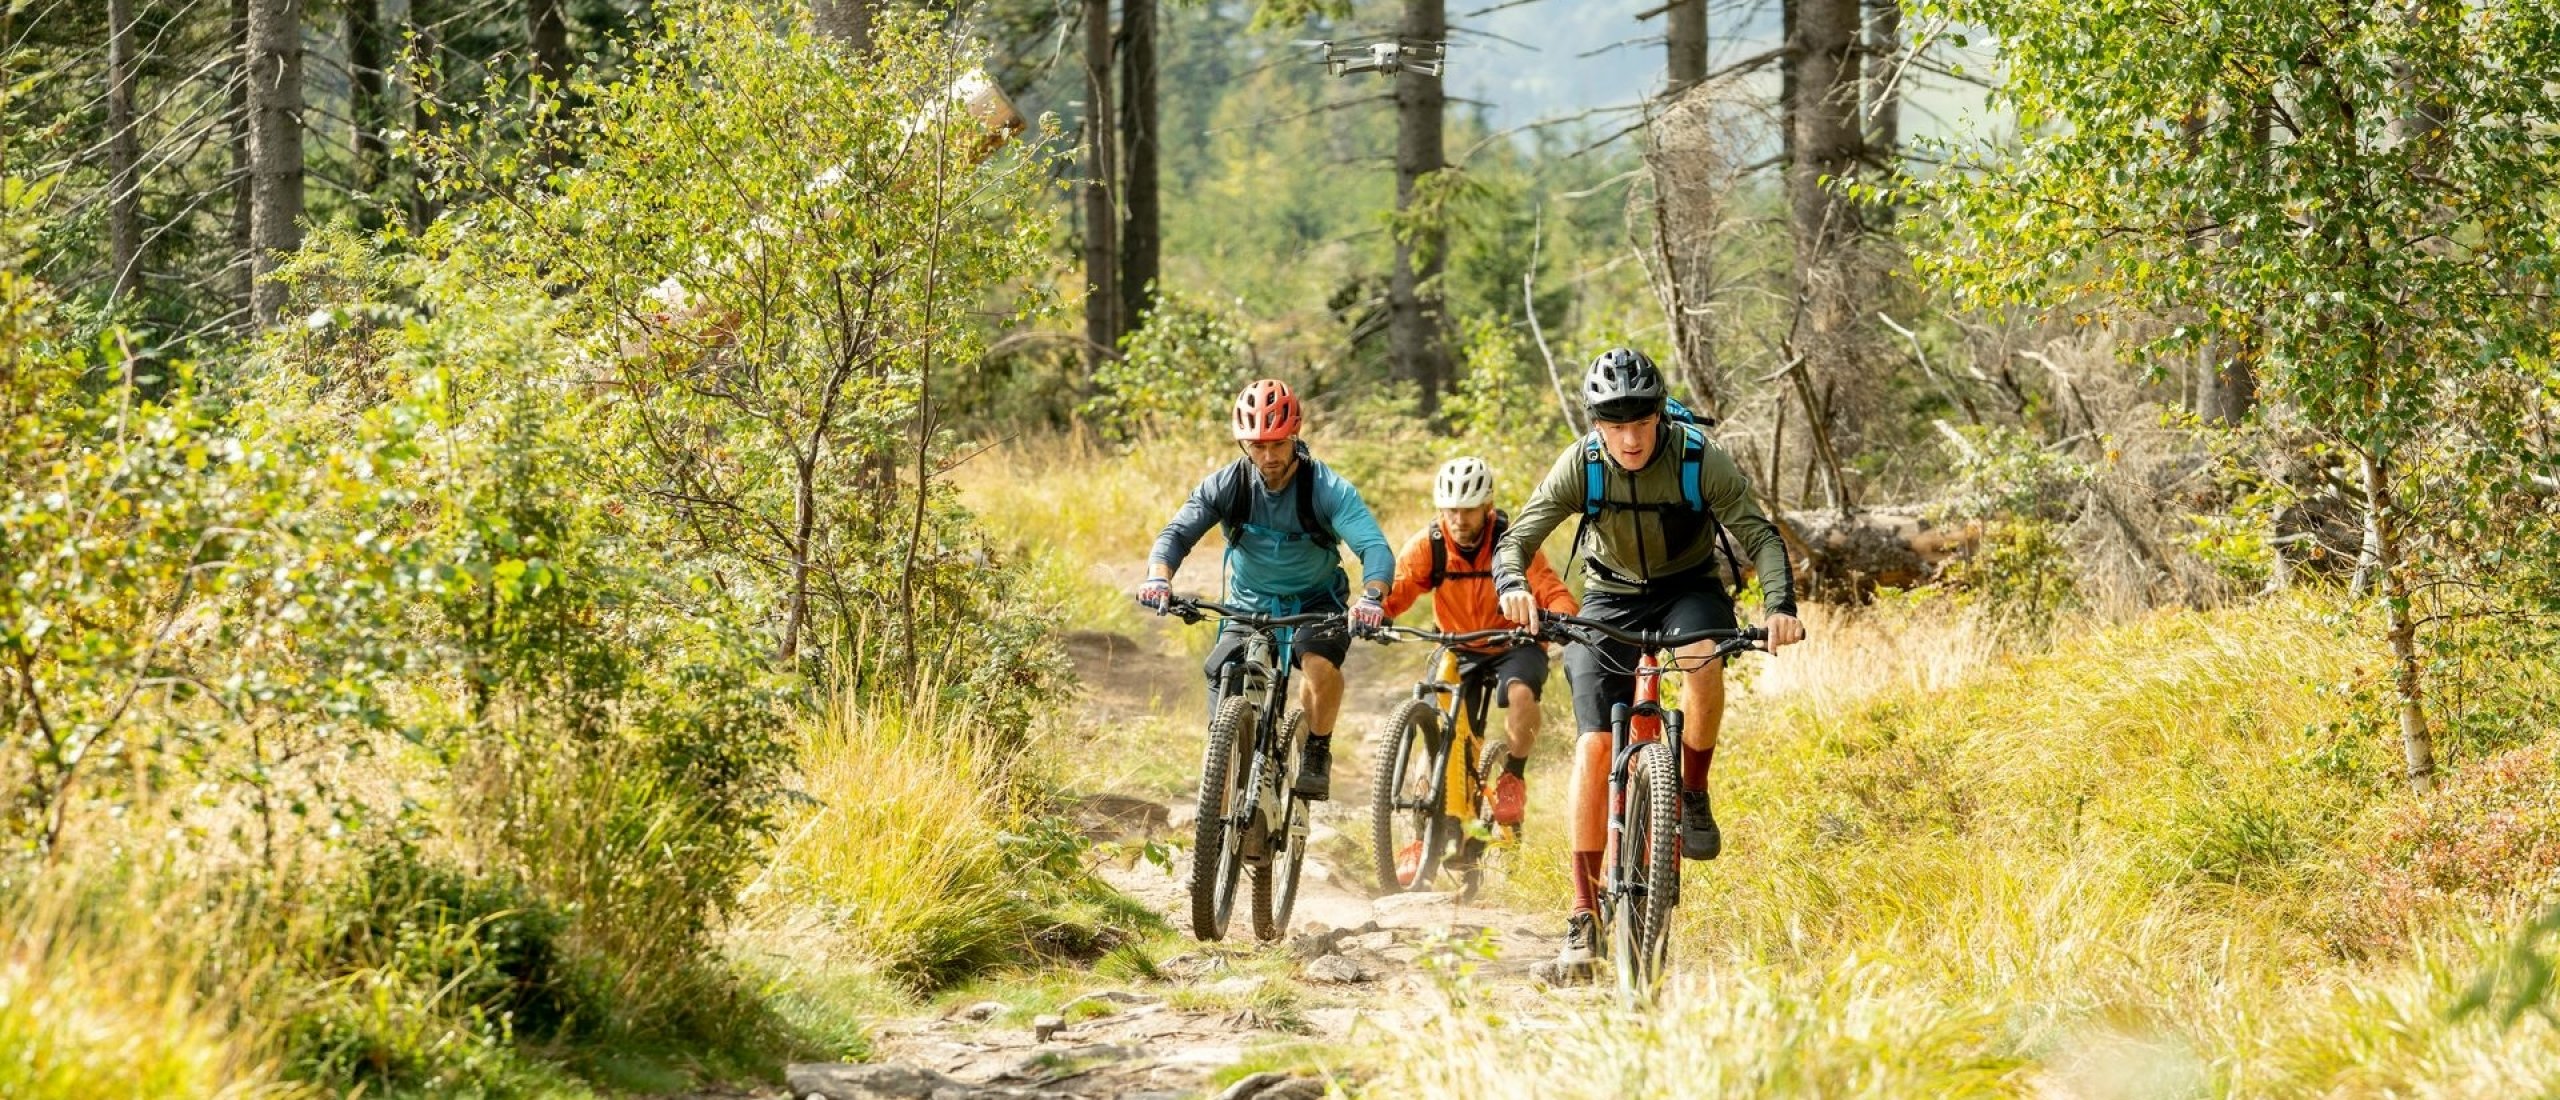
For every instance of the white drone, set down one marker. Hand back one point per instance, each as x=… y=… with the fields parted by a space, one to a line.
x=1386 y=58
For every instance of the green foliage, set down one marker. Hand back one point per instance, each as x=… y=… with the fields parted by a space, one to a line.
x=184 y=593
x=1180 y=370
x=2020 y=495
x=774 y=325
x=2355 y=202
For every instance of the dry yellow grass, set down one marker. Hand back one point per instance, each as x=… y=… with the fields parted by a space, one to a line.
x=2120 y=867
x=98 y=998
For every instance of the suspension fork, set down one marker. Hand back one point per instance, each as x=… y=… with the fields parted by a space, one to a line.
x=1630 y=728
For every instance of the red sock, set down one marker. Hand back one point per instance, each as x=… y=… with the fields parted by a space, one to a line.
x=1586 y=882
x=1693 y=767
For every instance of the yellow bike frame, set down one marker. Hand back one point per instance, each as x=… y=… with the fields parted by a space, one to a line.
x=1461 y=798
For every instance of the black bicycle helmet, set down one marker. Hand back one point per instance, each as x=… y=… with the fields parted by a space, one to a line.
x=1622 y=385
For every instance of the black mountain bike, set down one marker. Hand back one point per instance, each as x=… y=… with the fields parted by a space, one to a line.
x=1250 y=816
x=1641 y=864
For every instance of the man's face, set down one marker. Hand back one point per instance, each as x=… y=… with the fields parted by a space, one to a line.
x=1631 y=442
x=1465 y=525
x=1272 y=457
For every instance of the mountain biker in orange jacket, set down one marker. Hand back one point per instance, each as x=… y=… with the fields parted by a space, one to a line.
x=1452 y=558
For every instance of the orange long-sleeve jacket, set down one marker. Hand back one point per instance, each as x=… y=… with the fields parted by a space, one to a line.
x=1466 y=600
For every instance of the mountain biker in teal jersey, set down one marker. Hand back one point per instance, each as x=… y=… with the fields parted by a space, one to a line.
x=1286 y=517
x=1651 y=493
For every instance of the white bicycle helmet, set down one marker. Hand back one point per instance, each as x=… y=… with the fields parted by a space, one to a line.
x=1463 y=483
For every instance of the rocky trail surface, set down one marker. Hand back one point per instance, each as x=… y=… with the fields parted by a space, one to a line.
x=1353 y=967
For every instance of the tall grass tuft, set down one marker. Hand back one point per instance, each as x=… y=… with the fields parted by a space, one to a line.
x=918 y=852
x=99 y=996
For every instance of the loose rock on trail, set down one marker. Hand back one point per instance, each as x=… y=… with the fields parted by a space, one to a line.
x=1351 y=968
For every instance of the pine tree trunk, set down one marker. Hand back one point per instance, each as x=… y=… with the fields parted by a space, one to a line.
x=1789 y=68
x=124 y=155
x=1101 y=211
x=2417 y=744
x=1823 y=222
x=547 y=31
x=846 y=21
x=1883 y=112
x=1142 y=235
x=1413 y=305
x=1685 y=42
x=275 y=146
x=242 y=268
x=366 y=106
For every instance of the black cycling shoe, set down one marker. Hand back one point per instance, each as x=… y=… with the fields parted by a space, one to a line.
x=1699 y=837
x=1315 y=770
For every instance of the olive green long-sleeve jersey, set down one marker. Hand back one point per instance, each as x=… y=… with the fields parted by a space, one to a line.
x=1659 y=537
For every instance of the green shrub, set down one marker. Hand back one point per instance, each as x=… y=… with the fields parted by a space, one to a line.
x=1181 y=369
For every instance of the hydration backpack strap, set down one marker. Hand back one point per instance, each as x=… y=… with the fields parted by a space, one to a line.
x=1594 y=472
x=1237 y=508
x=1439 y=557
x=1440 y=573
x=1693 y=453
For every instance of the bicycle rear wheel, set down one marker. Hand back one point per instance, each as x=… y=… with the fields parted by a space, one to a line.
x=1215 y=845
x=1406 y=827
x=1648 y=870
x=1275 y=879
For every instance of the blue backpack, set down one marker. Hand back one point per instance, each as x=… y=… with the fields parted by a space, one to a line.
x=1692 y=430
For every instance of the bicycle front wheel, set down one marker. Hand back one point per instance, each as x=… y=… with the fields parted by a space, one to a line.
x=1406 y=828
x=1275 y=880
x=1216 y=843
x=1648 y=870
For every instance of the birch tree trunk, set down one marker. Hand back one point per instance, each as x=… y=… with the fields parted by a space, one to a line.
x=2400 y=628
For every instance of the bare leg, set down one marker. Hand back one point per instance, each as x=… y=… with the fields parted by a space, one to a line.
x=1701 y=700
x=1522 y=725
x=1320 y=692
x=1587 y=802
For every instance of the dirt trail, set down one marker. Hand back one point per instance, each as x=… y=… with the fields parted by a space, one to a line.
x=1351 y=966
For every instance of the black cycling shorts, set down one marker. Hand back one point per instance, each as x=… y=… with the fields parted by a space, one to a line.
x=1695 y=600
x=1524 y=663
x=1331 y=641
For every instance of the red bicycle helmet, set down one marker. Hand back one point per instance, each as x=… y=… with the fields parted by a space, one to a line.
x=1266 y=411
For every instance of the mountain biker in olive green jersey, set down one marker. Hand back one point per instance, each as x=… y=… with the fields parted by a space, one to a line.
x=1662 y=490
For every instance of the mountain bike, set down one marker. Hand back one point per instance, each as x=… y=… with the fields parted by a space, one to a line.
x=1249 y=817
x=1428 y=802
x=1641 y=862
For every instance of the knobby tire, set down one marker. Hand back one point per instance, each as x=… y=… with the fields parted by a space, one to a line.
x=1213 y=865
x=1280 y=869
x=1648 y=855
x=1410 y=733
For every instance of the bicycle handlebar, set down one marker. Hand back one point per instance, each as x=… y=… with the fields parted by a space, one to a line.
x=1649 y=640
x=1194 y=610
x=1509 y=633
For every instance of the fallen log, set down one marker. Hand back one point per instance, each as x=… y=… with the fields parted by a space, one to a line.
x=1844 y=557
